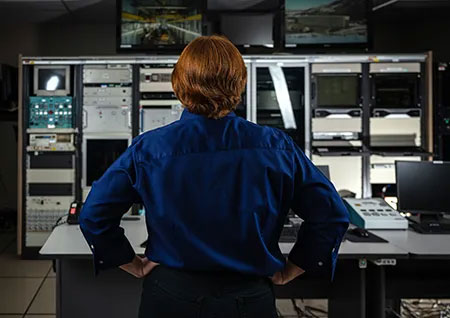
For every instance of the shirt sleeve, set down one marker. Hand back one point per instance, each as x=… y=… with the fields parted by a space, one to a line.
x=110 y=197
x=325 y=219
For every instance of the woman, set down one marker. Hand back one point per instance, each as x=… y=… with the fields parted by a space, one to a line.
x=216 y=190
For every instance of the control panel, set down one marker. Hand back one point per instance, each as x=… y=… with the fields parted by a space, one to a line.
x=374 y=214
x=51 y=142
x=50 y=112
x=156 y=78
x=110 y=73
x=107 y=105
x=158 y=113
x=44 y=211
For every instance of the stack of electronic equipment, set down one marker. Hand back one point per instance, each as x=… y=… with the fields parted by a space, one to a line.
x=337 y=122
x=158 y=104
x=442 y=113
x=49 y=185
x=107 y=107
x=364 y=117
x=397 y=118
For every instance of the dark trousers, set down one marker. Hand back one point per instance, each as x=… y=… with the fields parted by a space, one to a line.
x=170 y=293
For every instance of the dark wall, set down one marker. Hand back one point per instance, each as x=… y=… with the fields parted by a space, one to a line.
x=413 y=30
x=55 y=39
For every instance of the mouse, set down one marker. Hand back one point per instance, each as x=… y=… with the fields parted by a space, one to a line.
x=359 y=232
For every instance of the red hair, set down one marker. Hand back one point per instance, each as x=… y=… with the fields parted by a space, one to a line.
x=210 y=76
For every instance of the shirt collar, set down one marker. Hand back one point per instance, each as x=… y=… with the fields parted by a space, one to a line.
x=188 y=115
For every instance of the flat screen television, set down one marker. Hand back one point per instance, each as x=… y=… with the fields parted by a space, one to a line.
x=246 y=23
x=156 y=24
x=326 y=23
x=248 y=29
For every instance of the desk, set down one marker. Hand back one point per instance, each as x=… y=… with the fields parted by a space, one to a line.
x=424 y=274
x=417 y=244
x=115 y=293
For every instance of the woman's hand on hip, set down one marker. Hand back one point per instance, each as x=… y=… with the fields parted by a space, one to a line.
x=289 y=272
x=148 y=266
x=139 y=267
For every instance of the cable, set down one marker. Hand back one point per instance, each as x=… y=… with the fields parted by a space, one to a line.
x=59 y=222
x=425 y=308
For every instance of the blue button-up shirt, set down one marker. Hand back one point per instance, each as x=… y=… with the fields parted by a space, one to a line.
x=216 y=194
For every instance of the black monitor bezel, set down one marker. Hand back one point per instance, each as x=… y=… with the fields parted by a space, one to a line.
x=399 y=208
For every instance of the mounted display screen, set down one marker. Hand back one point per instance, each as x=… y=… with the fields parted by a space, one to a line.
x=325 y=22
x=51 y=79
x=248 y=29
x=338 y=91
x=100 y=154
x=158 y=24
x=396 y=91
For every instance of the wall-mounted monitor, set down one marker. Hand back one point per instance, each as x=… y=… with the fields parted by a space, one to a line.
x=247 y=5
x=154 y=24
x=51 y=80
x=326 y=22
x=248 y=29
x=246 y=23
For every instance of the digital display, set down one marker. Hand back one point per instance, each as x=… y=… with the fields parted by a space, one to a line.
x=337 y=91
x=51 y=79
x=423 y=186
x=325 y=22
x=247 y=5
x=154 y=23
x=248 y=29
x=101 y=153
x=396 y=91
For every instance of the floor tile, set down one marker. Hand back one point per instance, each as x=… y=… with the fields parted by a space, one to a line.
x=285 y=307
x=16 y=294
x=51 y=273
x=45 y=301
x=319 y=307
x=11 y=265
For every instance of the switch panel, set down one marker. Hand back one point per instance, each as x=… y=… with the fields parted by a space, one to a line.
x=50 y=112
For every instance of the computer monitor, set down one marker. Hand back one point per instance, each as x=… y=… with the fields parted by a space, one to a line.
x=423 y=188
x=51 y=80
x=338 y=91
